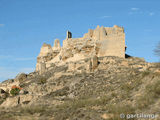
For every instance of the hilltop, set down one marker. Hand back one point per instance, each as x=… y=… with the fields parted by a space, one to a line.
x=116 y=86
x=80 y=87
x=102 y=41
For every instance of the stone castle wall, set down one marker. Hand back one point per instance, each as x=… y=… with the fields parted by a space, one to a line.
x=102 y=41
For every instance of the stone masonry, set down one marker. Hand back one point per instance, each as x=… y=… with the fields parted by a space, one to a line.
x=102 y=41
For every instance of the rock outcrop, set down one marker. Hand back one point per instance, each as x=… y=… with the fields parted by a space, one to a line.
x=103 y=41
x=87 y=78
x=97 y=87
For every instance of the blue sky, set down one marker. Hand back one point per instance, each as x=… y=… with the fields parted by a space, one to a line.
x=26 y=24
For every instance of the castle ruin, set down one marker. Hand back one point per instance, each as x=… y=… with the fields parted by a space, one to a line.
x=102 y=41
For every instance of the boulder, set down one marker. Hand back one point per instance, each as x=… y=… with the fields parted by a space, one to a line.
x=21 y=77
x=23 y=92
x=10 y=102
x=16 y=100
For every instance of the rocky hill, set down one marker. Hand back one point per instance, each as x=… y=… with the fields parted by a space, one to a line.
x=88 y=78
x=100 y=42
x=102 y=92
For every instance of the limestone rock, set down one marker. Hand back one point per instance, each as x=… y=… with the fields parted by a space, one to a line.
x=71 y=66
x=46 y=50
x=94 y=60
x=41 y=67
x=46 y=54
x=96 y=33
x=23 y=92
x=16 y=100
x=90 y=32
x=21 y=77
x=57 y=45
x=102 y=33
x=66 y=53
x=10 y=102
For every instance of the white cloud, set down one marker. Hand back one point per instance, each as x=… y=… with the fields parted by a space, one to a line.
x=151 y=13
x=1 y=25
x=105 y=16
x=134 y=9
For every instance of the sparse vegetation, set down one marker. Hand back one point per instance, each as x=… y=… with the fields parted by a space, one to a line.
x=118 y=109
x=33 y=109
x=42 y=80
x=86 y=96
x=154 y=89
x=144 y=101
x=15 y=90
x=152 y=92
x=145 y=73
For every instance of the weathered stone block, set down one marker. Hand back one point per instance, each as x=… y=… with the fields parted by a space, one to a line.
x=57 y=45
x=42 y=68
x=94 y=61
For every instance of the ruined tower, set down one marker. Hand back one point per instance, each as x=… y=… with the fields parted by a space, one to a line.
x=102 y=41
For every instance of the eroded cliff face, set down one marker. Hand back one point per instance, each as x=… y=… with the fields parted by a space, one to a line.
x=102 y=41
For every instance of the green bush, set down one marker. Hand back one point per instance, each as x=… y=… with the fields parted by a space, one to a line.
x=15 y=91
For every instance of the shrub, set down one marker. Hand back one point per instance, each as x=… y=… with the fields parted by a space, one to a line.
x=15 y=90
